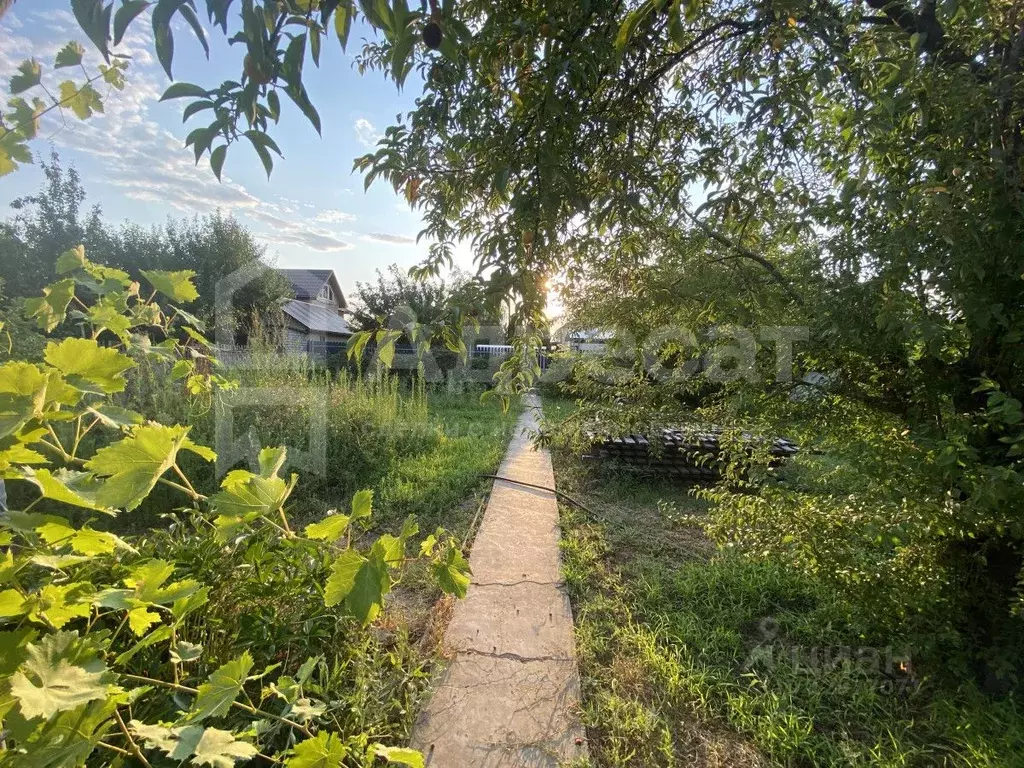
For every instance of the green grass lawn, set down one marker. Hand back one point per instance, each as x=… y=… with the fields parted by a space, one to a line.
x=691 y=656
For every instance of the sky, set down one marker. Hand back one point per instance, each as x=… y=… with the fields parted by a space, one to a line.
x=312 y=213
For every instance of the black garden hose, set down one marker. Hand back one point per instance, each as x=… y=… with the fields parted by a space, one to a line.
x=558 y=493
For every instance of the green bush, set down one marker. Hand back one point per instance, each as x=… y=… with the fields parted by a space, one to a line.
x=675 y=639
x=191 y=642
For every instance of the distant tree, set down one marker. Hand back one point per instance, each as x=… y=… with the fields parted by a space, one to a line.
x=377 y=301
x=213 y=246
x=48 y=222
x=54 y=219
x=19 y=339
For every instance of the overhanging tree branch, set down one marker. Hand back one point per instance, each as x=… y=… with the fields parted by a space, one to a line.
x=746 y=253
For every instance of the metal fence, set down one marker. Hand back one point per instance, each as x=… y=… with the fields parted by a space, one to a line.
x=322 y=350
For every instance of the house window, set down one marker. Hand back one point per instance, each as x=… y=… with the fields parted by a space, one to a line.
x=326 y=293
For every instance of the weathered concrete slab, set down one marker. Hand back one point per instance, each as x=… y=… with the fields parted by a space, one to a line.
x=492 y=712
x=510 y=697
x=526 y=620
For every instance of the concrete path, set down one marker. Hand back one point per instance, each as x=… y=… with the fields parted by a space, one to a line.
x=510 y=697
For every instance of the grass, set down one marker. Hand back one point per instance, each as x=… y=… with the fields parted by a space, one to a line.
x=691 y=656
x=422 y=449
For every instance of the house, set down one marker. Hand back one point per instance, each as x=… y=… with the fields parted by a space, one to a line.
x=593 y=340
x=313 y=320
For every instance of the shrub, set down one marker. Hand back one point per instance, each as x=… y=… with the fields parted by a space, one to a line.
x=193 y=641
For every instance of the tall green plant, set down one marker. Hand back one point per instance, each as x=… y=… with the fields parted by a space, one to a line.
x=97 y=630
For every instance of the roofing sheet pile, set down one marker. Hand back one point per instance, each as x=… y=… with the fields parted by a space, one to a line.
x=686 y=454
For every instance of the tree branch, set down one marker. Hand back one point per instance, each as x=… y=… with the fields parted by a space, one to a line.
x=746 y=253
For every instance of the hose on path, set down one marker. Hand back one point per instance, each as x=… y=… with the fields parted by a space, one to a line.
x=557 y=493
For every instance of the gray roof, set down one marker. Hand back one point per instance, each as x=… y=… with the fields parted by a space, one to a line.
x=307 y=283
x=316 y=317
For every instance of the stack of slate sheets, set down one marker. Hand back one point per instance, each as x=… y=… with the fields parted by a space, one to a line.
x=687 y=454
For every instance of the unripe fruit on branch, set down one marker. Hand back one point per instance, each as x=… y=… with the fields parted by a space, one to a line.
x=255 y=72
x=412 y=189
x=432 y=35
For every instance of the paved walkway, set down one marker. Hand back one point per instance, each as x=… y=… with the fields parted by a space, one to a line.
x=510 y=697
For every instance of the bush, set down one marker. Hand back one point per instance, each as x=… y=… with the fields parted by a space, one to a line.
x=191 y=642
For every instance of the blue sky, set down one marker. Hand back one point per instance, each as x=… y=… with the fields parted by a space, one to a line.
x=313 y=211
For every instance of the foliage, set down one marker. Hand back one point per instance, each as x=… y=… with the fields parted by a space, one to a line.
x=852 y=167
x=213 y=246
x=102 y=634
x=48 y=222
x=277 y=38
x=675 y=640
x=18 y=337
x=421 y=447
x=30 y=100
x=398 y=295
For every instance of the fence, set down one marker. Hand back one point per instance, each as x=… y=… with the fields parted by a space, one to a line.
x=405 y=354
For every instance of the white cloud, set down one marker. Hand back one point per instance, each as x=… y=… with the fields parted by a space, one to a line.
x=140 y=158
x=334 y=216
x=382 y=237
x=365 y=133
x=313 y=240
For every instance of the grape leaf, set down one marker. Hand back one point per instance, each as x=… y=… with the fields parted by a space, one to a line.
x=221 y=688
x=176 y=743
x=305 y=709
x=361 y=582
x=86 y=359
x=343 y=576
x=22 y=395
x=107 y=315
x=325 y=750
x=59 y=673
x=155 y=736
x=78 y=489
x=147 y=584
x=12 y=603
x=25 y=116
x=7 y=566
x=59 y=604
x=133 y=465
x=84 y=541
x=29 y=76
x=20 y=455
x=221 y=749
x=183 y=652
x=71 y=259
x=362 y=505
x=69 y=56
x=141 y=619
x=70 y=737
x=114 y=416
x=50 y=308
x=245 y=494
x=452 y=572
x=177 y=286
x=272 y=460
x=83 y=101
x=331 y=528
x=400 y=755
